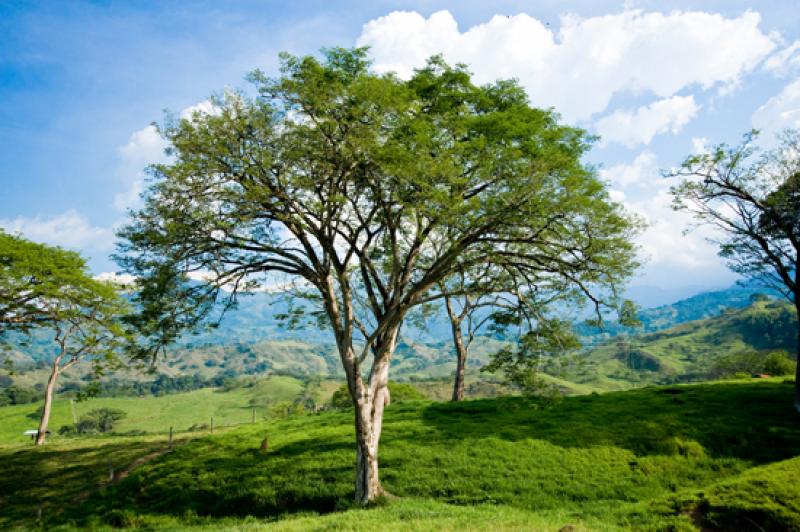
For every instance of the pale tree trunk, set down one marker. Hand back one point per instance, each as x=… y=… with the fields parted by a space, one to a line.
x=48 y=403
x=372 y=399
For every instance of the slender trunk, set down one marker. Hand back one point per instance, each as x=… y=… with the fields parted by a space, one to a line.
x=797 y=360
x=461 y=362
x=461 y=350
x=370 y=405
x=48 y=403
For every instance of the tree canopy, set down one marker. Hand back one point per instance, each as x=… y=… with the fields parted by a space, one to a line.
x=49 y=288
x=752 y=197
x=367 y=192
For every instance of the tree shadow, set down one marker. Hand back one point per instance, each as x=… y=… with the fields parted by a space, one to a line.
x=47 y=479
x=754 y=422
x=210 y=479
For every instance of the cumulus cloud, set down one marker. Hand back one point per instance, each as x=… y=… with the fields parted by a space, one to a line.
x=784 y=61
x=69 y=229
x=780 y=112
x=664 y=248
x=122 y=279
x=579 y=68
x=640 y=126
x=642 y=169
x=146 y=147
x=699 y=145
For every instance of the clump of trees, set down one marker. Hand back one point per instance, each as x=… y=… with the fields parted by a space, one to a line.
x=51 y=288
x=750 y=363
x=400 y=391
x=752 y=196
x=368 y=192
x=99 y=420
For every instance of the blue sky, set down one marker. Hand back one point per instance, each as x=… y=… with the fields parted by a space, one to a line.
x=81 y=81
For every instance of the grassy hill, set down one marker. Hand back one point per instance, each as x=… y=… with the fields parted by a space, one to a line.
x=687 y=352
x=711 y=456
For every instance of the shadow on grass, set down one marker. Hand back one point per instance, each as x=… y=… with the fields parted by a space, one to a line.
x=754 y=422
x=49 y=478
x=476 y=451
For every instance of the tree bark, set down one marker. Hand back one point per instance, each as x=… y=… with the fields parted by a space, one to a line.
x=461 y=350
x=41 y=434
x=461 y=362
x=797 y=360
x=370 y=404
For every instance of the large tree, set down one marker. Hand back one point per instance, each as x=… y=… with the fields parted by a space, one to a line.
x=51 y=289
x=369 y=191
x=752 y=197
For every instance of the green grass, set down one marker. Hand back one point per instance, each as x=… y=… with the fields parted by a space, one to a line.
x=659 y=458
x=157 y=414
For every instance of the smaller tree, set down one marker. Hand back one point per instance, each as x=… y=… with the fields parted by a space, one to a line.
x=48 y=287
x=752 y=197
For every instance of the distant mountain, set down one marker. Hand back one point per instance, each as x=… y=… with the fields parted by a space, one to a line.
x=700 y=306
x=252 y=340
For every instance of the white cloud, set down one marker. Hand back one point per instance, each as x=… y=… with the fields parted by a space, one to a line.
x=581 y=67
x=206 y=107
x=122 y=279
x=671 y=255
x=640 y=126
x=784 y=61
x=624 y=175
x=144 y=147
x=699 y=145
x=780 y=112
x=69 y=229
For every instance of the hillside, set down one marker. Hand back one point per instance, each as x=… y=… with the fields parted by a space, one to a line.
x=711 y=457
x=687 y=352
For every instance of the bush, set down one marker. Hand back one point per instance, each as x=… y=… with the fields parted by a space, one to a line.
x=743 y=365
x=20 y=395
x=777 y=363
x=98 y=420
x=398 y=391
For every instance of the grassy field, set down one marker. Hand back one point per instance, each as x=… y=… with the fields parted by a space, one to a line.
x=711 y=456
x=156 y=414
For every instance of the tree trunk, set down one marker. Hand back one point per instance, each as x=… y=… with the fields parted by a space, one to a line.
x=797 y=362
x=48 y=403
x=370 y=404
x=461 y=362
x=461 y=349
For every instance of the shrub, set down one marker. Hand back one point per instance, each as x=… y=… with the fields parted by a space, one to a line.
x=777 y=363
x=743 y=365
x=398 y=391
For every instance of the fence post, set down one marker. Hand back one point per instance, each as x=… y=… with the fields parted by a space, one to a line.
x=254 y=414
x=212 y=424
x=170 y=436
x=110 y=472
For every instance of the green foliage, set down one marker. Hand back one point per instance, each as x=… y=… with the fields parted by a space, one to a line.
x=520 y=364
x=19 y=395
x=372 y=191
x=398 y=391
x=749 y=362
x=99 y=420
